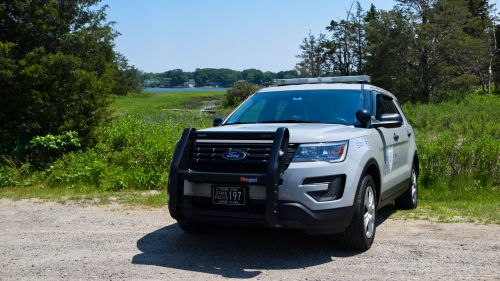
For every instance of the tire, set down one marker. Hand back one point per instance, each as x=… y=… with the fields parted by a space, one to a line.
x=361 y=231
x=409 y=199
x=196 y=227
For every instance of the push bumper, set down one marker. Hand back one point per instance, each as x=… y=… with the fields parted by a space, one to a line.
x=270 y=212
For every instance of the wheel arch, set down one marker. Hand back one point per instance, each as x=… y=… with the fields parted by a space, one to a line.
x=415 y=161
x=371 y=168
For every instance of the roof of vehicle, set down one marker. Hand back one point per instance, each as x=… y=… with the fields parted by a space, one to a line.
x=326 y=86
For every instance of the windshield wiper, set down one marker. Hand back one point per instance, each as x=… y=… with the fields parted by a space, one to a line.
x=290 y=121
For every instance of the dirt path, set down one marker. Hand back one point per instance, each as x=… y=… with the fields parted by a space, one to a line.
x=53 y=241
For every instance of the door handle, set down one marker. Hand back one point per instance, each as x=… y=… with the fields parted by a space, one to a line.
x=396 y=137
x=409 y=134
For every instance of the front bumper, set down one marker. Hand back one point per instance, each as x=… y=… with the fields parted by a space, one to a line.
x=291 y=215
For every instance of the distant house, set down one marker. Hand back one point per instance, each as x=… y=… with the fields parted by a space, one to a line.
x=166 y=80
x=191 y=81
x=241 y=81
x=186 y=84
x=150 y=81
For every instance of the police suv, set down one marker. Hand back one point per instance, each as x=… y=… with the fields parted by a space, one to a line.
x=317 y=154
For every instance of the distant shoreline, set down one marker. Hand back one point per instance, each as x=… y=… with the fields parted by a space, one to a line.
x=183 y=89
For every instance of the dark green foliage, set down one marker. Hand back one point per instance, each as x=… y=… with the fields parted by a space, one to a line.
x=458 y=139
x=239 y=93
x=222 y=77
x=127 y=79
x=43 y=150
x=420 y=48
x=253 y=76
x=417 y=50
x=56 y=69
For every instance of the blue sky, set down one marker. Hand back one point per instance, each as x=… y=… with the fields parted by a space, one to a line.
x=160 y=35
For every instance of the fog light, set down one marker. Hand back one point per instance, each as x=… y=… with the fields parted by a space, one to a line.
x=334 y=191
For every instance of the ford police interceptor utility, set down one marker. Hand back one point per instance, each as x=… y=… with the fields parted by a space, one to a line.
x=317 y=154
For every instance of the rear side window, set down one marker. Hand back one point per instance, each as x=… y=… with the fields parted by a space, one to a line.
x=389 y=106
x=380 y=108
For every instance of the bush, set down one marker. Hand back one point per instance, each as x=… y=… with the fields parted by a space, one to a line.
x=42 y=150
x=239 y=93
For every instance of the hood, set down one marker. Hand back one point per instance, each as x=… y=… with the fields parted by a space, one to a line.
x=300 y=133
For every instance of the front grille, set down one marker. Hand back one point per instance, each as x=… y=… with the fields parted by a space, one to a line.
x=207 y=157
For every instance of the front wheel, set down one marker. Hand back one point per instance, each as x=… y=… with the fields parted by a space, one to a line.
x=361 y=231
x=409 y=199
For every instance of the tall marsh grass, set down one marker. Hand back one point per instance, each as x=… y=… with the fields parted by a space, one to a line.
x=456 y=139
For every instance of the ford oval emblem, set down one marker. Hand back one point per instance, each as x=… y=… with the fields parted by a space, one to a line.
x=234 y=155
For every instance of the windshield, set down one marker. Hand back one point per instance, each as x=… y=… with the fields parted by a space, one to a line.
x=312 y=106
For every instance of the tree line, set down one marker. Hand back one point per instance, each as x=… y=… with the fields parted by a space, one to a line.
x=224 y=77
x=421 y=50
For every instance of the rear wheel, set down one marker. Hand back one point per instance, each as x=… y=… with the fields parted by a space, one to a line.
x=409 y=199
x=196 y=227
x=361 y=232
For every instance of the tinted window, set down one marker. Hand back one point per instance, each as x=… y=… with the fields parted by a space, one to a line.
x=325 y=106
x=389 y=106
x=380 y=108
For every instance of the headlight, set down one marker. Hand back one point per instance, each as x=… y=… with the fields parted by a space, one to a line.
x=329 y=152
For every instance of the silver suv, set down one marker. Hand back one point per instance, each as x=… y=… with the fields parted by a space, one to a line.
x=317 y=154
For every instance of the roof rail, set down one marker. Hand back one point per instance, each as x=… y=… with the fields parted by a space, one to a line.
x=362 y=79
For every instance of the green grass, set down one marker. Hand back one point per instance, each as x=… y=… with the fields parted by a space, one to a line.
x=65 y=195
x=444 y=200
x=153 y=100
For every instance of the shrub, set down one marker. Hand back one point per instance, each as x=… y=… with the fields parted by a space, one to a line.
x=239 y=93
x=42 y=150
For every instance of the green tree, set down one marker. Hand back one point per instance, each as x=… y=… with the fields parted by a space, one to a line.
x=420 y=48
x=344 y=52
x=127 y=78
x=56 y=68
x=253 y=75
x=313 y=57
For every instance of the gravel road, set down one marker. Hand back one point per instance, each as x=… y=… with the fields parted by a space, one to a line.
x=53 y=241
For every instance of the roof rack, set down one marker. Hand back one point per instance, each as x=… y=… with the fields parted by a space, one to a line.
x=362 y=79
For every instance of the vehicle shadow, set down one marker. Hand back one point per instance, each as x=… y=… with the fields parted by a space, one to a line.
x=238 y=252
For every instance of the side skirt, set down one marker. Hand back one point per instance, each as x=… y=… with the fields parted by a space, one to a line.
x=389 y=195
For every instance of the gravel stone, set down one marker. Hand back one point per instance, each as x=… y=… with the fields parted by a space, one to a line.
x=49 y=240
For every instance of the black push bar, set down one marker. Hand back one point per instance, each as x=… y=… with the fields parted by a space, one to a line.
x=181 y=162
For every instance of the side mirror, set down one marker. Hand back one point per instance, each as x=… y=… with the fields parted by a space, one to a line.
x=388 y=120
x=363 y=116
x=218 y=120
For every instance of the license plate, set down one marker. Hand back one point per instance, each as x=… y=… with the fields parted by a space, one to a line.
x=228 y=195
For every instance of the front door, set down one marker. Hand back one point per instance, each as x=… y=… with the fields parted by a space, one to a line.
x=395 y=148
